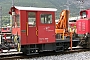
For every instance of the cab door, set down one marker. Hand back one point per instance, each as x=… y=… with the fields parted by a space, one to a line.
x=46 y=28
x=31 y=28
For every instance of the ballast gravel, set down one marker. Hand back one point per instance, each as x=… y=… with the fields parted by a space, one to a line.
x=71 y=56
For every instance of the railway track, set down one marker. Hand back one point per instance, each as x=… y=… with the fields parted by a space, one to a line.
x=20 y=56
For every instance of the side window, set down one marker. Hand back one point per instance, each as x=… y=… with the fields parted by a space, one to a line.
x=32 y=19
x=18 y=20
x=46 y=18
x=84 y=14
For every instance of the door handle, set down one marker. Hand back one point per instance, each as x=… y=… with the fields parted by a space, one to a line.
x=36 y=31
x=27 y=28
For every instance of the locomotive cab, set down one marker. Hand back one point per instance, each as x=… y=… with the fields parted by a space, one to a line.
x=34 y=25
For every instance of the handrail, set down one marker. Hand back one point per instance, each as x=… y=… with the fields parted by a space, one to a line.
x=27 y=28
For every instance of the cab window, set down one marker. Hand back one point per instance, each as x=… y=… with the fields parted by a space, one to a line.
x=84 y=15
x=46 y=18
x=18 y=20
x=32 y=19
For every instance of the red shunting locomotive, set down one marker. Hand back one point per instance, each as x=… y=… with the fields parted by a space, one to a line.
x=34 y=30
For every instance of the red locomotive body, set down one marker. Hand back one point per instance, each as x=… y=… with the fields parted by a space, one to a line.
x=34 y=27
x=5 y=29
x=83 y=26
x=83 y=23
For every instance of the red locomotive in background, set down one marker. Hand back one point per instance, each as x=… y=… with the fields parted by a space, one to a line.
x=6 y=29
x=83 y=27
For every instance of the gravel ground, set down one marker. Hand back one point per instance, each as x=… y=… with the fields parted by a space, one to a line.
x=71 y=56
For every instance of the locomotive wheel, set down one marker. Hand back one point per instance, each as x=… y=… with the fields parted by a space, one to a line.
x=16 y=40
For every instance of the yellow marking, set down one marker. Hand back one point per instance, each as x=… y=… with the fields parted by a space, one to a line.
x=63 y=35
x=36 y=31
x=19 y=47
x=16 y=41
x=27 y=29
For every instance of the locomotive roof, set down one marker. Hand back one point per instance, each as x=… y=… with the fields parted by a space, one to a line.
x=35 y=8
